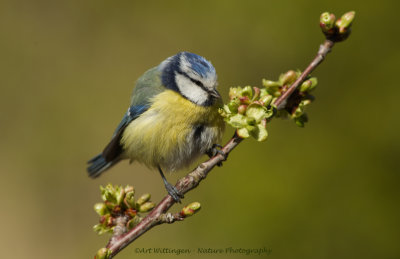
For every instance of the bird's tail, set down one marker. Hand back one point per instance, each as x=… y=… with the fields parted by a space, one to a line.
x=98 y=164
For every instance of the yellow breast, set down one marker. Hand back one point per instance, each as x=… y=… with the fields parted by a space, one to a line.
x=166 y=135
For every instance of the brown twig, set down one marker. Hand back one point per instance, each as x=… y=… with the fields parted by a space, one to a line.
x=159 y=214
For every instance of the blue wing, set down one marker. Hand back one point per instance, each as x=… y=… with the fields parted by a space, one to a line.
x=147 y=86
x=111 y=153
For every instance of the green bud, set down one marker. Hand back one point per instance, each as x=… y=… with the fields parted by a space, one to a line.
x=256 y=93
x=233 y=105
x=147 y=206
x=247 y=91
x=119 y=194
x=305 y=86
x=129 y=188
x=266 y=100
x=133 y=222
x=243 y=133
x=129 y=199
x=346 y=20
x=108 y=193
x=235 y=92
x=103 y=253
x=300 y=121
x=288 y=78
x=242 y=109
x=101 y=229
x=263 y=92
x=268 y=83
x=190 y=209
x=144 y=198
x=327 y=22
x=101 y=209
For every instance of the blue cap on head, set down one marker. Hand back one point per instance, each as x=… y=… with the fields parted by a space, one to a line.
x=190 y=65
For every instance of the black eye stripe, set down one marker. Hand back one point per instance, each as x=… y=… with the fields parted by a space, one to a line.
x=197 y=82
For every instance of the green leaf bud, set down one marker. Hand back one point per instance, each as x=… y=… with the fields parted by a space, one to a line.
x=235 y=92
x=266 y=100
x=190 y=209
x=129 y=188
x=129 y=200
x=101 y=209
x=346 y=20
x=268 y=83
x=327 y=22
x=288 y=78
x=147 y=206
x=263 y=92
x=247 y=91
x=243 y=133
x=233 y=105
x=144 y=198
x=119 y=194
x=103 y=253
x=257 y=92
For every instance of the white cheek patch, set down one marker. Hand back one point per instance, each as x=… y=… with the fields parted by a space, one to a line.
x=190 y=90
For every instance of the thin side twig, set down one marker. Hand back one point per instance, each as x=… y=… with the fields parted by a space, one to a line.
x=159 y=214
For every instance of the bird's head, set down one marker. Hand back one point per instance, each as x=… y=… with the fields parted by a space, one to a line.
x=192 y=76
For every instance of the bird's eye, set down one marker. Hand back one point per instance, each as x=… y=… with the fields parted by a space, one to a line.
x=197 y=82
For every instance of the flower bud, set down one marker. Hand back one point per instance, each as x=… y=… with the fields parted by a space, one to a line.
x=190 y=209
x=242 y=109
x=256 y=93
x=266 y=100
x=103 y=253
x=288 y=78
x=100 y=208
x=327 y=22
x=147 y=206
x=268 y=83
x=129 y=200
x=233 y=105
x=129 y=188
x=247 y=91
x=145 y=197
x=346 y=20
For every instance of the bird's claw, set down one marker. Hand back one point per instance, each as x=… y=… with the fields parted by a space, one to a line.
x=173 y=192
x=215 y=150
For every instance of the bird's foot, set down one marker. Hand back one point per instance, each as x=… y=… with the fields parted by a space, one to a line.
x=215 y=150
x=173 y=192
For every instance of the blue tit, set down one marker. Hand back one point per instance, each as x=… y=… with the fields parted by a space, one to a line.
x=172 y=119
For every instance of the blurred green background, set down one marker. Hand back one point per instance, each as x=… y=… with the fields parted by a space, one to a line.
x=330 y=190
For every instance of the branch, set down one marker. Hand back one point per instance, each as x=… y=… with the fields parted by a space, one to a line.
x=159 y=214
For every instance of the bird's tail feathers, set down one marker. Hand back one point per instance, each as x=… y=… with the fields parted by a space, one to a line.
x=98 y=165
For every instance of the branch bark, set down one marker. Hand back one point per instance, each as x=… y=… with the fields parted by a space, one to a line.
x=159 y=214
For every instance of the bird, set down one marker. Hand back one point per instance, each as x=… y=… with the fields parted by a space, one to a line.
x=172 y=119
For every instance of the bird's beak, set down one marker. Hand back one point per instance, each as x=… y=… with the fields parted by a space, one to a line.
x=214 y=93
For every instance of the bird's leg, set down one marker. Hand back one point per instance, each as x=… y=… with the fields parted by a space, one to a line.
x=214 y=150
x=172 y=191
